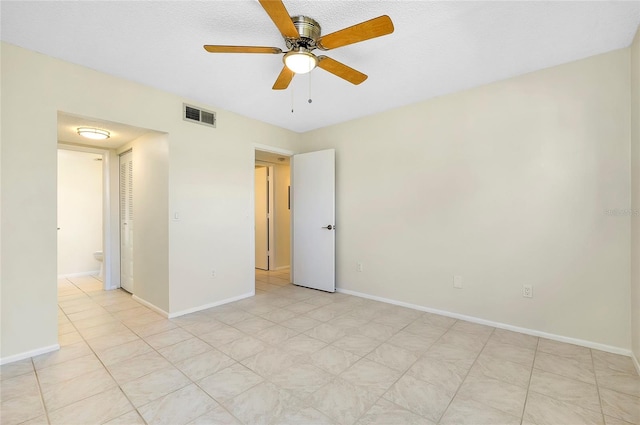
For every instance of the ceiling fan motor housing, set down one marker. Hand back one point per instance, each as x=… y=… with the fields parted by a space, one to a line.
x=309 y=31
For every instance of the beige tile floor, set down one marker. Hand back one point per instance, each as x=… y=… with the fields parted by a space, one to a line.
x=292 y=355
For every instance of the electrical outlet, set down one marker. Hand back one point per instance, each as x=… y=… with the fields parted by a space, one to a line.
x=457 y=282
x=527 y=291
x=359 y=267
x=213 y=274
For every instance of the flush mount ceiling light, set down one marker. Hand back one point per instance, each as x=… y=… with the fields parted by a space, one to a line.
x=300 y=60
x=93 y=133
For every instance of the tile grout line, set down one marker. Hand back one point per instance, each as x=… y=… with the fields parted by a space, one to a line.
x=46 y=410
x=196 y=383
x=465 y=377
x=160 y=354
x=169 y=361
x=44 y=406
x=406 y=371
x=282 y=292
x=332 y=380
x=264 y=378
x=596 y=385
x=218 y=402
x=152 y=348
x=595 y=376
x=526 y=399
x=105 y=368
x=335 y=377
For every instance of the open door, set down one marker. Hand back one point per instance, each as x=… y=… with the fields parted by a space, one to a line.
x=313 y=218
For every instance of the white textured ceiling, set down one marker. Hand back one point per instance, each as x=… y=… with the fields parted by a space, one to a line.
x=437 y=48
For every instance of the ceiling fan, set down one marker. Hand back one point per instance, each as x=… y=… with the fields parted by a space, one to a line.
x=302 y=36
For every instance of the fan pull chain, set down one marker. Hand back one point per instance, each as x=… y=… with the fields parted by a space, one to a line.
x=310 y=89
x=292 y=100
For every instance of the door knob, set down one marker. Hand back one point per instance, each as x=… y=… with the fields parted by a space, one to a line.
x=329 y=227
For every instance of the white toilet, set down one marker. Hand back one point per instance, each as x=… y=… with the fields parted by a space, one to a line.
x=98 y=256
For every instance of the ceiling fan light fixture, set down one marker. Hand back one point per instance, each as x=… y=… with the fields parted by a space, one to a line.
x=300 y=61
x=93 y=133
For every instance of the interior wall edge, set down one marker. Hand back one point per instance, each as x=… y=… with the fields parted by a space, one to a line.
x=634 y=298
x=472 y=319
x=150 y=305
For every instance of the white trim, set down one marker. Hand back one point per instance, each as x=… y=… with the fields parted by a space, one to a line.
x=272 y=149
x=151 y=306
x=561 y=338
x=27 y=354
x=636 y=363
x=272 y=216
x=210 y=305
x=252 y=200
x=79 y=274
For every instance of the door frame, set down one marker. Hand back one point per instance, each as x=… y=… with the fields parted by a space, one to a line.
x=271 y=232
x=252 y=208
x=110 y=250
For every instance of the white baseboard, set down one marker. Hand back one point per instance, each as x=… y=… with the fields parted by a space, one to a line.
x=79 y=274
x=27 y=354
x=150 y=306
x=575 y=341
x=214 y=304
x=194 y=309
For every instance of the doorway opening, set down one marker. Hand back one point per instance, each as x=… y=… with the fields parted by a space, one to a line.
x=272 y=218
x=98 y=206
x=81 y=174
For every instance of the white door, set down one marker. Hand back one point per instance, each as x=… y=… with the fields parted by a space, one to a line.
x=262 y=218
x=126 y=221
x=313 y=212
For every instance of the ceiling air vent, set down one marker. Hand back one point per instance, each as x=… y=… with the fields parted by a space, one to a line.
x=200 y=116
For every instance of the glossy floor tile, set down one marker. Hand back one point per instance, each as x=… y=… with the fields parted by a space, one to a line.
x=291 y=355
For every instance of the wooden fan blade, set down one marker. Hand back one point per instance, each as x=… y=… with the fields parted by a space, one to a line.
x=283 y=80
x=341 y=70
x=241 y=49
x=279 y=15
x=373 y=28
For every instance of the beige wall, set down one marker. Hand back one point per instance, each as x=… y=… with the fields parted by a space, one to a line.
x=506 y=184
x=210 y=185
x=150 y=155
x=635 y=196
x=79 y=211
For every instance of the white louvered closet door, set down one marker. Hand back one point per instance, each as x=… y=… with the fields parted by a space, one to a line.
x=126 y=221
